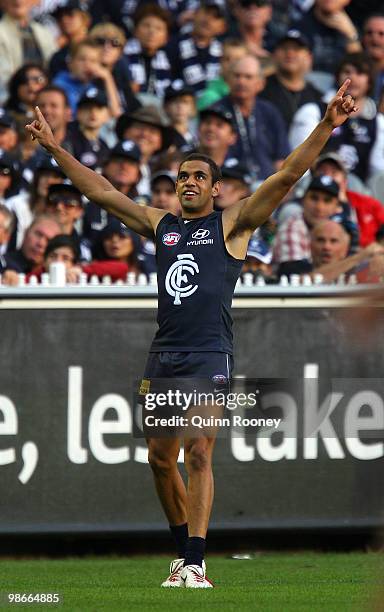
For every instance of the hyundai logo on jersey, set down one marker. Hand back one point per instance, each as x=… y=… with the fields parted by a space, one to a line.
x=200 y=234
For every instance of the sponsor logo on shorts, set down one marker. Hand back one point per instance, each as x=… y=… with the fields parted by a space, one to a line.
x=171 y=238
x=219 y=379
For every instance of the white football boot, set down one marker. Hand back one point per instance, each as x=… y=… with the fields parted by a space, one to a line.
x=193 y=577
x=174 y=579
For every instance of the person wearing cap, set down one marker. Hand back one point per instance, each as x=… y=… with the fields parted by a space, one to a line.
x=64 y=202
x=261 y=133
x=291 y=248
x=369 y=211
x=199 y=258
x=361 y=142
x=22 y=40
x=180 y=108
x=233 y=50
x=73 y=20
x=163 y=193
x=258 y=259
x=217 y=134
x=331 y=35
x=84 y=133
x=195 y=57
x=146 y=54
x=236 y=185
x=287 y=88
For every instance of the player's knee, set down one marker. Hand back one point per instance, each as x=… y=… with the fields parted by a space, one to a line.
x=160 y=461
x=197 y=458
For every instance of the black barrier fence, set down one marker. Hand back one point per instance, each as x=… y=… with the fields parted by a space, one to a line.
x=69 y=461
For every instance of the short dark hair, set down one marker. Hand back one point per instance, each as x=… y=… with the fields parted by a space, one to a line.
x=359 y=60
x=215 y=170
x=55 y=89
x=63 y=240
x=153 y=10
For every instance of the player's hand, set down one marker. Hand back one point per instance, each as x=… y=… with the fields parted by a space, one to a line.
x=341 y=106
x=40 y=130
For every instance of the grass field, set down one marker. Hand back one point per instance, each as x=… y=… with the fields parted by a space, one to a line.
x=271 y=582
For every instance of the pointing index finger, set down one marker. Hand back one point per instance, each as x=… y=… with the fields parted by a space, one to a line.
x=39 y=114
x=344 y=87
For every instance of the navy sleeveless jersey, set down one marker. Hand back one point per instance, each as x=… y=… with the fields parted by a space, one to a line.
x=196 y=279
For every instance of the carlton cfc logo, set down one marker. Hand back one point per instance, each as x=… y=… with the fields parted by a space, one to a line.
x=177 y=280
x=171 y=239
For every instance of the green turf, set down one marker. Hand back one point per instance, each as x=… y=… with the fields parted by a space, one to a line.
x=271 y=582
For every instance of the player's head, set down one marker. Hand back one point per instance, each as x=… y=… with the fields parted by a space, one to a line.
x=198 y=182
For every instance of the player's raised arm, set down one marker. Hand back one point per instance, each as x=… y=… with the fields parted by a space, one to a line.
x=95 y=187
x=245 y=216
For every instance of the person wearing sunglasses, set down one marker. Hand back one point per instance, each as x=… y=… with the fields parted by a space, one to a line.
x=64 y=201
x=111 y=40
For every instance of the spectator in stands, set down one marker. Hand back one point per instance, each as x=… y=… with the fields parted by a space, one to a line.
x=64 y=201
x=258 y=260
x=369 y=211
x=361 y=142
x=196 y=57
x=163 y=194
x=253 y=17
x=22 y=41
x=331 y=34
x=217 y=134
x=233 y=50
x=373 y=41
x=31 y=253
x=8 y=132
x=73 y=21
x=235 y=185
x=9 y=188
x=24 y=86
x=261 y=134
x=180 y=107
x=119 y=243
x=291 y=249
x=287 y=88
x=53 y=103
x=84 y=133
x=85 y=69
x=111 y=41
x=7 y=222
x=149 y=64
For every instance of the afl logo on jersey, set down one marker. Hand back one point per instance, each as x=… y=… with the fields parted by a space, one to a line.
x=171 y=239
x=177 y=282
x=200 y=234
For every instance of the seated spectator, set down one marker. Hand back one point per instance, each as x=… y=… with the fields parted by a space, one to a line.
x=163 y=193
x=8 y=132
x=180 y=108
x=22 y=41
x=111 y=41
x=65 y=249
x=291 y=248
x=73 y=21
x=287 y=88
x=7 y=222
x=24 y=87
x=376 y=186
x=149 y=65
x=9 y=189
x=258 y=259
x=233 y=50
x=253 y=17
x=217 y=134
x=331 y=34
x=151 y=131
x=369 y=212
x=84 y=133
x=195 y=57
x=85 y=69
x=235 y=185
x=373 y=41
x=359 y=142
x=54 y=105
x=261 y=134
x=31 y=253
x=64 y=201
x=121 y=244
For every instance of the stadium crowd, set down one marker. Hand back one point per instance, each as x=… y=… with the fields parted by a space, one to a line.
x=131 y=88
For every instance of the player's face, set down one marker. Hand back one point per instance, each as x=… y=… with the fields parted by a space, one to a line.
x=194 y=187
x=328 y=244
x=319 y=205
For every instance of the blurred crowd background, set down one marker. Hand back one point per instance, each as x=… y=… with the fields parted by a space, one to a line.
x=131 y=87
